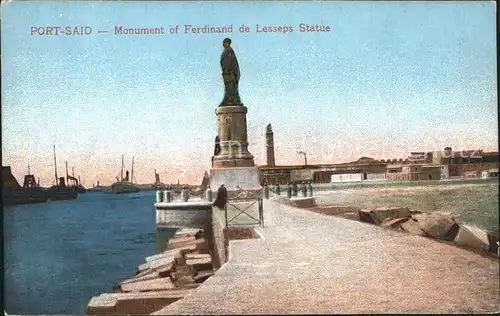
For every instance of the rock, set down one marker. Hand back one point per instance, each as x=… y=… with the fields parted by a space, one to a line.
x=197 y=256
x=148 y=285
x=167 y=261
x=184 y=249
x=493 y=238
x=152 y=274
x=394 y=222
x=200 y=263
x=202 y=276
x=176 y=240
x=438 y=225
x=199 y=234
x=169 y=253
x=382 y=213
x=142 y=303
x=411 y=227
x=198 y=244
x=351 y=215
x=414 y=212
x=185 y=282
x=473 y=237
x=378 y=215
x=181 y=271
x=366 y=216
x=188 y=231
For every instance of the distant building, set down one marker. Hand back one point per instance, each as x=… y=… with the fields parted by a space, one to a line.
x=414 y=172
x=492 y=173
x=8 y=179
x=467 y=163
x=420 y=157
x=418 y=166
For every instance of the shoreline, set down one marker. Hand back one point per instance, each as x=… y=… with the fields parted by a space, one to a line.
x=356 y=213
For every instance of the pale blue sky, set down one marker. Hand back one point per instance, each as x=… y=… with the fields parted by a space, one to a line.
x=389 y=78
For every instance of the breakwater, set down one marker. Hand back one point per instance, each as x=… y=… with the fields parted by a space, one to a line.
x=163 y=279
x=286 y=255
x=192 y=255
x=440 y=226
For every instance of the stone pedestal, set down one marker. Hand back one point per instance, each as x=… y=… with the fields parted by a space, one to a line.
x=235 y=179
x=232 y=131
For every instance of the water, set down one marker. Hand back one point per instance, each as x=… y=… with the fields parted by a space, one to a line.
x=60 y=254
x=476 y=203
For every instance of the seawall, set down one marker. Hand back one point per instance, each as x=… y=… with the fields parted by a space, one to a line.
x=304 y=262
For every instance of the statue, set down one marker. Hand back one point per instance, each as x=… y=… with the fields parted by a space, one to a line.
x=230 y=74
x=269 y=129
x=217 y=145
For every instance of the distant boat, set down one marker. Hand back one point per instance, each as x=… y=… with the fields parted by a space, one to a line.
x=60 y=191
x=158 y=185
x=75 y=182
x=14 y=194
x=124 y=184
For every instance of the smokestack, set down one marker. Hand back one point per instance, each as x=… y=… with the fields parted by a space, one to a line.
x=270 y=146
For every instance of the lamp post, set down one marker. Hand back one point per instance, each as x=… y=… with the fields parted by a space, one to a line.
x=305 y=156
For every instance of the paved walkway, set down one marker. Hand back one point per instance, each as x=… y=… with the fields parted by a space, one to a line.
x=313 y=263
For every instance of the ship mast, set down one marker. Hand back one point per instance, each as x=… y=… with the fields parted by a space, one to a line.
x=132 y=171
x=121 y=178
x=67 y=175
x=55 y=164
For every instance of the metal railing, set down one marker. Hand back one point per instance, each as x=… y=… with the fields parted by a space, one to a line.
x=250 y=208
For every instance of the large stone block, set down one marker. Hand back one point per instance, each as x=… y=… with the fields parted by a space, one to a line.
x=411 y=226
x=148 y=285
x=437 y=225
x=142 y=303
x=383 y=213
x=472 y=237
x=303 y=202
x=494 y=237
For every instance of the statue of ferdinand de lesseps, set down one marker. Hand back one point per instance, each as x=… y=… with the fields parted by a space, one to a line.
x=230 y=74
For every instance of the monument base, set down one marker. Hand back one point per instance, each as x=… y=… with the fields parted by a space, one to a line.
x=235 y=179
x=228 y=162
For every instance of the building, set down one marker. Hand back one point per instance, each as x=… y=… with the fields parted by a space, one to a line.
x=414 y=172
x=418 y=166
x=420 y=157
x=492 y=173
x=467 y=163
x=8 y=179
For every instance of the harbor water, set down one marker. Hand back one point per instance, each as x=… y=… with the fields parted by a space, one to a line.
x=59 y=254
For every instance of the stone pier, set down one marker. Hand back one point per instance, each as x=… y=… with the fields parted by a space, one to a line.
x=306 y=262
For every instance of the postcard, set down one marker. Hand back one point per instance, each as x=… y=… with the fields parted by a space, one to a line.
x=276 y=157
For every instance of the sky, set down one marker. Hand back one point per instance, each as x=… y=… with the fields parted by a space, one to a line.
x=389 y=78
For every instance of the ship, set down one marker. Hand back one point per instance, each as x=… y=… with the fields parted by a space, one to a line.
x=14 y=194
x=158 y=185
x=60 y=191
x=125 y=184
x=75 y=183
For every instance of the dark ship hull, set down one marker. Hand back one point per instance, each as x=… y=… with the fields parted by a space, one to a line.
x=58 y=193
x=14 y=194
x=79 y=188
x=23 y=196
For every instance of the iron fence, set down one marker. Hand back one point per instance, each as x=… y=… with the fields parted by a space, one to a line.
x=244 y=210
